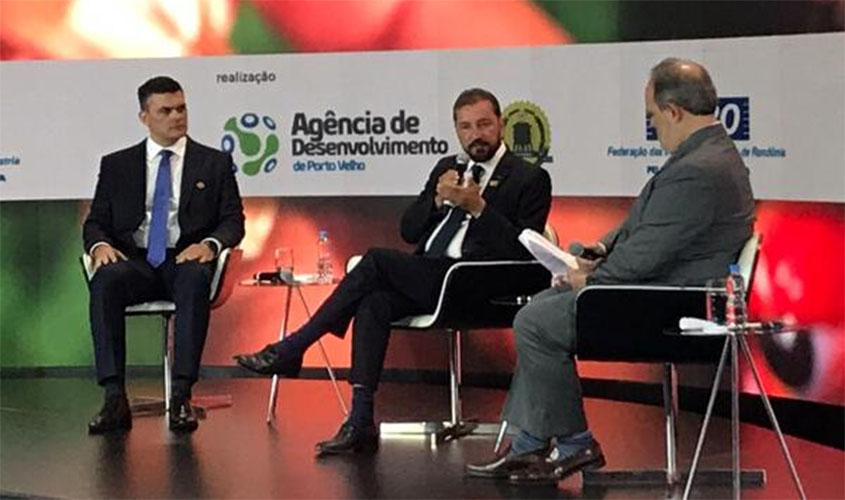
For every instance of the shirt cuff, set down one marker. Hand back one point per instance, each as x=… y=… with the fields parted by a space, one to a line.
x=216 y=246
x=95 y=245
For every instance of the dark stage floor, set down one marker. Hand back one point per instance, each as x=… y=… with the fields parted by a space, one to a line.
x=45 y=451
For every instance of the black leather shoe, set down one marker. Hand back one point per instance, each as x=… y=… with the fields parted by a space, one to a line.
x=350 y=439
x=113 y=416
x=181 y=417
x=272 y=361
x=551 y=471
x=502 y=467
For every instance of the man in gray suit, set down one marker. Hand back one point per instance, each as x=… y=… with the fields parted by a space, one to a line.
x=687 y=226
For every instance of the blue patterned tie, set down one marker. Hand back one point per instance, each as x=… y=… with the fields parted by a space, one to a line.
x=157 y=243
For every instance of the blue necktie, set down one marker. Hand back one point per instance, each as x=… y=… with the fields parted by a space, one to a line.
x=157 y=243
x=450 y=228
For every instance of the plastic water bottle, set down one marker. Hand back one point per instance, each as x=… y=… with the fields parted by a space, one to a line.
x=735 y=298
x=324 y=257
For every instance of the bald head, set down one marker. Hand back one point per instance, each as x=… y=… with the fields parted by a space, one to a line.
x=685 y=84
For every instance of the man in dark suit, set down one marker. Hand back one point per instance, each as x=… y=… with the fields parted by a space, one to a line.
x=476 y=216
x=162 y=211
x=688 y=224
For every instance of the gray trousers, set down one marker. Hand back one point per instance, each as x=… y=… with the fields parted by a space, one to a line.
x=545 y=394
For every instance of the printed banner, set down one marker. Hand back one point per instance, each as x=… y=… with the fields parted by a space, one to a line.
x=375 y=123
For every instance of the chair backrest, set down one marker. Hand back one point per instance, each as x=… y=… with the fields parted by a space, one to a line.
x=482 y=294
x=748 y=260
x=487 y=294
x=353 y=261
x=223 y=281
x=628 y=323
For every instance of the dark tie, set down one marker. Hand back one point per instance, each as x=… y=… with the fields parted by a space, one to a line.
x=453 y=222
x=157 y=243
x=477 y=173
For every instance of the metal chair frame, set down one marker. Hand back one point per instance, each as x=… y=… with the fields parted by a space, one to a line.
x=220 y=289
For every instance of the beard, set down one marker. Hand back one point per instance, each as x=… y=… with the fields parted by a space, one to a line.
x=480 y=151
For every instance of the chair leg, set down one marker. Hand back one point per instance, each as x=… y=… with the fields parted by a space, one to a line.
x=168 y=357
x=456 y=427
x=671 y=475
x=146 y=406
x=455 y=375
x=500 y=436
x=670 y=407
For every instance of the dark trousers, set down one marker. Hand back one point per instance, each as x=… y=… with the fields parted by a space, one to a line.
x=385 y=286
x=124 y=283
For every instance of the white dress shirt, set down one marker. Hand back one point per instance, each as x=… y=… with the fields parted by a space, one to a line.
x=454 y=249
x=177 y=160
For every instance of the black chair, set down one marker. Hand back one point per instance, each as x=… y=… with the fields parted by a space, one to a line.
x=634 y=324
x=474 y=295
x=222 y=283
x=629 y=323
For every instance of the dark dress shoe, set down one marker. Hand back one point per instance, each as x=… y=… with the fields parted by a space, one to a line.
x=350 y=439
x=550 y=471
x=181 y=417
x=115 y=415
x=272 y=361
x=502 y=467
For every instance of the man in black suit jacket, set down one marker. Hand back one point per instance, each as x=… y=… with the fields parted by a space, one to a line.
x=688 y=224
x=476 y=216
x=162 y=211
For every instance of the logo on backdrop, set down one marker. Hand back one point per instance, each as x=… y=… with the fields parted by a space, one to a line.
x=527 y=132
x=252 y=142
x=337 y=142
x=734 y=113
x=8 y=161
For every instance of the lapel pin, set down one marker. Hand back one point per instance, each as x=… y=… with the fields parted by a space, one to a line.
x=200 y=185
x=494 y=182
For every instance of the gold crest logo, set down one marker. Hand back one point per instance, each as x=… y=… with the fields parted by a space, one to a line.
x=527 y=132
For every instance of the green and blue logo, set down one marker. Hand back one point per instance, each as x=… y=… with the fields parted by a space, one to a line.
x=252 y=142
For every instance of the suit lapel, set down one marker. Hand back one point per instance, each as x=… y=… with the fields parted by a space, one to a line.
x=500 y=174
x=137 y=173
x=191 y=168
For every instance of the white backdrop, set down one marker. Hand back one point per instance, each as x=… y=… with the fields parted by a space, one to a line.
x=57 y=118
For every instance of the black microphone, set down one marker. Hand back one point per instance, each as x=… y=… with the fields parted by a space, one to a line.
x=579 y=250
x=461 y=162
x=460 y=166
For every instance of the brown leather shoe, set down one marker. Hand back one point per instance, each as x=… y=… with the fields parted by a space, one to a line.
x=502 y=467
x=550 y=471
x=113 y=416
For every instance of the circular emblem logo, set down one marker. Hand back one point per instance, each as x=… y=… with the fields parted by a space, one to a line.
x=527 y=132
x=253 y=143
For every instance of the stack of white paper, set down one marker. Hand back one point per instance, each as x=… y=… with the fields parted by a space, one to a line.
x=548 y=254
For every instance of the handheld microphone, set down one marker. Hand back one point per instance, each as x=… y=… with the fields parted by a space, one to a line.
x=460 y=166
x=579 y=250
x=461 y=162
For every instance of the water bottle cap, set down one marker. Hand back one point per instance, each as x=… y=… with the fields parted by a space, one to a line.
x=323 y=233
x=733 y=268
